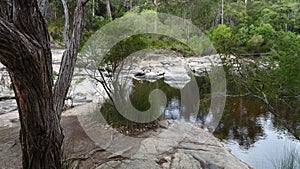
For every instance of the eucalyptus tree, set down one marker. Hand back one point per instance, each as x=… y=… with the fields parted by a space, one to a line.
x=25 y=51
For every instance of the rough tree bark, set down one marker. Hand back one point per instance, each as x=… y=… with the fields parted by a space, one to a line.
x=69 y=56
x=25 y=51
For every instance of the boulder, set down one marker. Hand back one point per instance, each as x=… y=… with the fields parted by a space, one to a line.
x=151 y=76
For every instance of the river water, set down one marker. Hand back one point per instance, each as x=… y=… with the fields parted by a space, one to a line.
x=247 y=128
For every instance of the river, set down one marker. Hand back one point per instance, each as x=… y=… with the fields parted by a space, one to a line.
x=247 y=128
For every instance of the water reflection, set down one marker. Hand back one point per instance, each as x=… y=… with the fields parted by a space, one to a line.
x=246 y=127
x=176 y=108
x=267 y=151
x=240 y=121
x=172 y=109
x=242 y=117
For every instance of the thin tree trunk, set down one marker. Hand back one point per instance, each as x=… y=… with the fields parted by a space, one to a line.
x=108 y=10
x=67 y=25
x=130 y=5
x=155 y=9
x=217 y=20
x=222 y=12
x=93 y=6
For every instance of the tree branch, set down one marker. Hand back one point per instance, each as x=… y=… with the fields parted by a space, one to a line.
x=12 y=42
x=33 y=29
x=66 y=28
x=69 y=58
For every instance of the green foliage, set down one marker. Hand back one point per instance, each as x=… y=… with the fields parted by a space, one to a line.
x=235 y=14
x=267 y=33
x=221 y=36
x=55 y=75
x=56 y=31
x=256 y=41
x=120 y=123
x=288 y=49
x=275 y=75
x=139 y=42
x=201 y=12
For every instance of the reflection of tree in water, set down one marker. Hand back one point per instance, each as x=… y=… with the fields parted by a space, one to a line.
x=239 y=121
x=287 y=119
x=140 y=93
x=188 y=107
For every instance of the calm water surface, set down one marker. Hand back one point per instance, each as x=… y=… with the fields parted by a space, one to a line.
x=253 y=134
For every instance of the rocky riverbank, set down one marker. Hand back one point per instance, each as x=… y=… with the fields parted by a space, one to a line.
x=79 y=93
x=176 y=147
x=171 y=66
x=173 y=145
x=167 y=147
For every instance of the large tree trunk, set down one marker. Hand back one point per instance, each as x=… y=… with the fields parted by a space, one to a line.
x=41 y=135
x=25 y=51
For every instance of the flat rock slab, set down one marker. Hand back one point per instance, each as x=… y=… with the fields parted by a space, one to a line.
x=173 y=145
x=180 y=145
